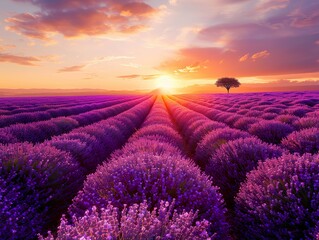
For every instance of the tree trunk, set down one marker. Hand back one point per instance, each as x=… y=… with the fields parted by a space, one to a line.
x=227 y=90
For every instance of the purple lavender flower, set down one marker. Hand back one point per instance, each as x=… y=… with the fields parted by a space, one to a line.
x=233 y=160
x=167 y=132
x=144 y=146
x=304 y=141
x=214 y=140
x=36 y=185
x=135 y=178
x=198 y=134
x=270 y=131
x=298 y=111
x=134 y=222
x=306 y=122
x=280 y=199
x=286 y=118
x=244 y=123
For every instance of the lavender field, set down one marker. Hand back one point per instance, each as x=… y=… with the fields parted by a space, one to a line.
x=218 y=166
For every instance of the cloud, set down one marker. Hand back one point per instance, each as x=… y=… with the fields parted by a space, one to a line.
x=289 y=55
x=132 y=76
x=75 y=68
x=269 y=5
x=143 y=77
x=261 y=54
x=266 y=19
x=73 y=18
x=21 y=60
x=190 y=69
x=273 y=37
x=255 y=56
x=305 y=21
x=244 y=58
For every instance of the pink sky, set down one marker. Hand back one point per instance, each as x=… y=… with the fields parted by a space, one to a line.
x=136 y=44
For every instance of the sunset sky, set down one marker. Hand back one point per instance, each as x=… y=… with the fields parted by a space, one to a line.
x=136 y=44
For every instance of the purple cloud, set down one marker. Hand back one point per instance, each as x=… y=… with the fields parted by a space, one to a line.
x=277 y=37
x=260 y=57
x=73 y=18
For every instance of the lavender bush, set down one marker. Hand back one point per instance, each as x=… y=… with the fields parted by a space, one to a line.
x=198 y=134
x=167 y=132
x=135 y=178
x=280 y=199
x=36 y=185
x=245 y=122
x=306 y=122
x=298 y=111
x=270 y=131
x=233 y=160
x=144 y=146
x=286 y=118
x=214 y=140
x=304 y=141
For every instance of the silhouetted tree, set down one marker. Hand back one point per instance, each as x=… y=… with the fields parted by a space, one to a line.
x=227 y=83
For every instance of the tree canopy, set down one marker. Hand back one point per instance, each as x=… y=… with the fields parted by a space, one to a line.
x=227 y=83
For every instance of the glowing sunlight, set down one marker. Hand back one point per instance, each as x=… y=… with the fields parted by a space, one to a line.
x=166 y=84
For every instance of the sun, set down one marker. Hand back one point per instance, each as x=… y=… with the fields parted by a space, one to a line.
x=165 y=83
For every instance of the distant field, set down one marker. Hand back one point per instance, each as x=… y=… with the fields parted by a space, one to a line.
x=231 y=166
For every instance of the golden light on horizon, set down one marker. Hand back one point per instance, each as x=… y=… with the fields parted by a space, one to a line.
x=166 y=83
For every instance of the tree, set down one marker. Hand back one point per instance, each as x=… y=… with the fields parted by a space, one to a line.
x=227 y=83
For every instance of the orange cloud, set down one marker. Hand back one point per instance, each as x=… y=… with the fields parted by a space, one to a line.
x=144 y=77
x=82 y=18
x=244 y=58
x=75 y=68
x=190 y=69
x=278 y=37
x=261 y=54
x=21 y=60
x=287 y=57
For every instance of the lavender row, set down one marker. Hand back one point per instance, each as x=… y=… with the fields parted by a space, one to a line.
x=34 y=116
x=38 y=182
x=27 y=104
x=39 y=131
x=225 y=154
x=150 y=169
x=258 y=101
x=299 y=114
x=270 y=131
x=300 y=137
x=278 y=198
x=91 y=145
